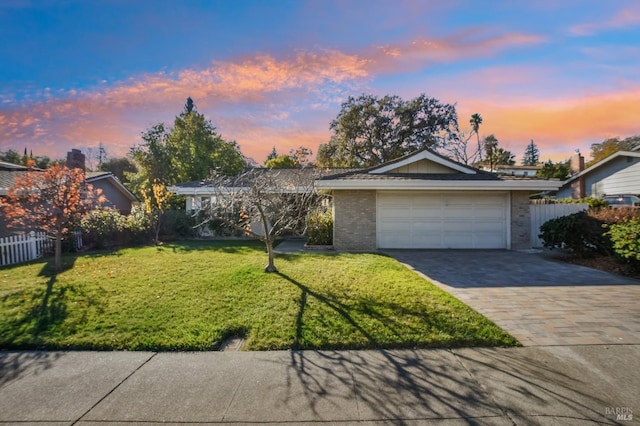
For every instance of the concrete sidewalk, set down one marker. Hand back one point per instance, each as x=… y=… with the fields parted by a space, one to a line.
x=534 y=385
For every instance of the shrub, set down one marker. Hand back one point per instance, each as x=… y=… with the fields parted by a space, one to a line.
x=594 y=203
x=625 y=237
x=320 y=228
x=100 y=225
x=579 y=232
x=106 y=227
x=611 y=216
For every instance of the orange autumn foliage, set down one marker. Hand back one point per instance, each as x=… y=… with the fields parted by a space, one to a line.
x=53 y=200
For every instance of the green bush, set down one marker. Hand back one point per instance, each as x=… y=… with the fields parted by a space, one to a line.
x=594 y=203
x=101 y=225
x=625 y=237
x=578 y=232
x=107 y=227
x=320 y=228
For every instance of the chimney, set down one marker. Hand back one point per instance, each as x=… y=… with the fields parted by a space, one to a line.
x=576 y=163
x=578 y=189
x=75 y=159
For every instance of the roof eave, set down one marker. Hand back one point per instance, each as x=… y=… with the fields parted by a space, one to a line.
x=484 y=185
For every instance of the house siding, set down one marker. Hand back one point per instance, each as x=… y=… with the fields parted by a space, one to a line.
x=115 y=198
x=620 y=175
x=354 y=217
x=520 y=220
x=626 y=181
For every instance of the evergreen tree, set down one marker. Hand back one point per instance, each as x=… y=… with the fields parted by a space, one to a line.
x=272 y=155
x=196 y=149
x=531 y=155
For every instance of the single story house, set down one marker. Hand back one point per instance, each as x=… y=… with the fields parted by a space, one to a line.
x=202 y=192
x=426 y=200
x=117 y=195
x=513 y=170
x=619 y=173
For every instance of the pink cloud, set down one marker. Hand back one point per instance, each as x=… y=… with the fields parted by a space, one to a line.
x=472 y=43
x=625 y=18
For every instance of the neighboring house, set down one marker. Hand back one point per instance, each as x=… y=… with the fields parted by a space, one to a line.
x=529 y=171
x=8 y=174
x=425 y=200
x=117 y=195
x=619 y=173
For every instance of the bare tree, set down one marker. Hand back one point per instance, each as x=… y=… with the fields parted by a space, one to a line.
x=263 y=203
x=461 y=151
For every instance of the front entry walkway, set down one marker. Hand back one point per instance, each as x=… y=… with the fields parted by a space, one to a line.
x=539 y=301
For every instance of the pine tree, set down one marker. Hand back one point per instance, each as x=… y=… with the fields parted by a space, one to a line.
x=531 y=155
x=272 y=155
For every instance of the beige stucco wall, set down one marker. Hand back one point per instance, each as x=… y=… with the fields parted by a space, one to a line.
x=354 y=217
x=520 y=220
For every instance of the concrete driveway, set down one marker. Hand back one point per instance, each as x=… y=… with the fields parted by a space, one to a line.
x=538 y=300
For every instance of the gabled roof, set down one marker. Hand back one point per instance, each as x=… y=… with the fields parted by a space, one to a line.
x=462 y=177
x=423 y=154
x=93 y=177
x=602 y=163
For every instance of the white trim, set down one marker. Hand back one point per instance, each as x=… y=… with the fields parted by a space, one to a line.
x=508 y=219
x=446 y=185
x=423 y=155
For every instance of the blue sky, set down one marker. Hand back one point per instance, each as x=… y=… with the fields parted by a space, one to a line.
x=274 y=73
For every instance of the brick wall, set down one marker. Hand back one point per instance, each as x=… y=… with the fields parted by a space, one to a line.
x=354 y=218
x=520 y=220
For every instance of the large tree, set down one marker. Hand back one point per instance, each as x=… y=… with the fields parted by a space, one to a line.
x=196 y=148
x=371 y=130
x=600 y=151
x=54 y=201
x=531 y=155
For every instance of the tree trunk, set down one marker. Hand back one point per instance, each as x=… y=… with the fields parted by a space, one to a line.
x=158 y=228
x=271 y=267
x=268 y=240
x=58 y=254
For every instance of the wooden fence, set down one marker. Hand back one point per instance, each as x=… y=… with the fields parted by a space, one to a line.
x=30 y=246
x=540 y=213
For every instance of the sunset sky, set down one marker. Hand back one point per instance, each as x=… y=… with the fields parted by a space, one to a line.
x=74 y=74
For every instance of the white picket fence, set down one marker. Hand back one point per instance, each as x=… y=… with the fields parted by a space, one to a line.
x=540 y=213
x=30 y=246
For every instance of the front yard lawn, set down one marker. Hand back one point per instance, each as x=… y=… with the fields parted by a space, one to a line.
x=192 y=295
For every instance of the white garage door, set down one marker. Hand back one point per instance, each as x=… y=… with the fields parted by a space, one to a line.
x=442 y=220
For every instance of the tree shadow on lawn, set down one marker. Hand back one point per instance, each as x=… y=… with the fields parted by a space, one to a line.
x=49 y=308
x=376 y=313
x=403 y=385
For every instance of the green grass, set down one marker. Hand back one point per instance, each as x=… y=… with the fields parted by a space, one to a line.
x=192 y=295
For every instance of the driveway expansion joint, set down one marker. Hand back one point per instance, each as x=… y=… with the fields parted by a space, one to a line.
x=105 y=396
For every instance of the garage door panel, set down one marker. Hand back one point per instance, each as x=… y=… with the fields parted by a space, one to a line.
x=439 y=220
